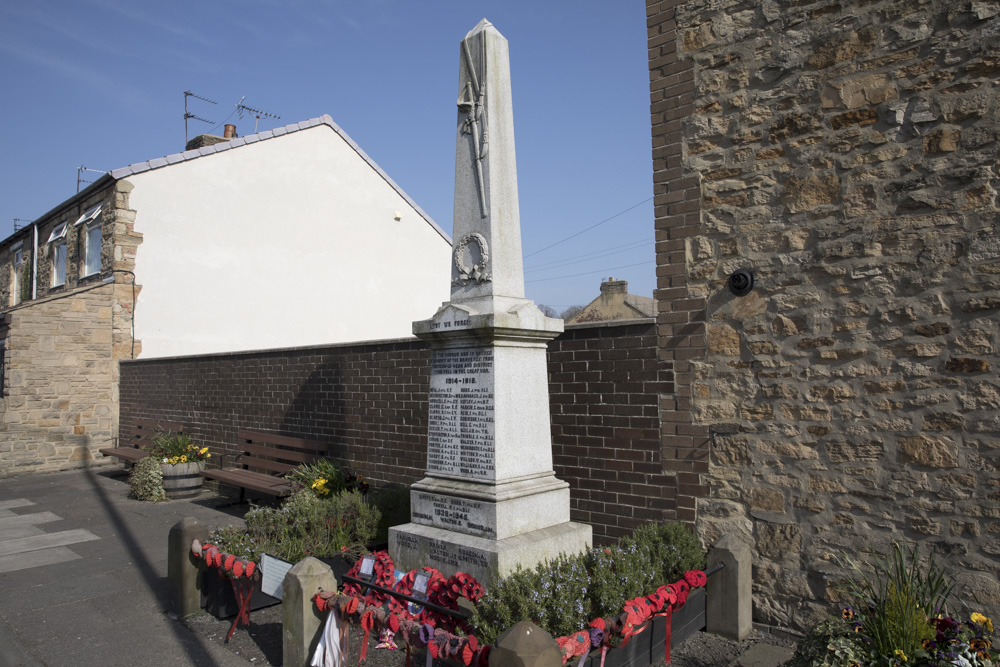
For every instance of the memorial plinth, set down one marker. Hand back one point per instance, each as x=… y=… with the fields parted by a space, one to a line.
x=490 y=500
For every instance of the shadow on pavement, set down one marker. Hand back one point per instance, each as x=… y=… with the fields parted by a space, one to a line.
x=192 y=645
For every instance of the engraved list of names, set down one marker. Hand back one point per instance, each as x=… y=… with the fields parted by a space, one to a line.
x=460 y=419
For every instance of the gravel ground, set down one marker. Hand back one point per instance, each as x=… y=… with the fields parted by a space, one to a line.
x=260 y=644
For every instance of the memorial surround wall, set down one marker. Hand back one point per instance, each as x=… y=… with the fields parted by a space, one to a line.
x=369 y=401
x=847 y=153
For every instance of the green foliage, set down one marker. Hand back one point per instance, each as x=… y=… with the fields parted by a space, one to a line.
x=322 y=477
x=304 y=525
x=238 y=542
x=898 y=596
x=898 y=616
x=145 y=482
x=552 y=595
x=830 y=644
x=672 y=546
x=618 y=575
x=654 y=555
x=562 y=595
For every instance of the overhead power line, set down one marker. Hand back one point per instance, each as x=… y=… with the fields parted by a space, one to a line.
x=590 y=256
x=582 y=231
x=589 y=273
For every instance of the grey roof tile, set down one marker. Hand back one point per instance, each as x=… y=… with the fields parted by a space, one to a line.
x=156 y=163
x=206 y=150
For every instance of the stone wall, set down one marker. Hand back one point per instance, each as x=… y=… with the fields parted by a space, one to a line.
x=846 y=153
x=57 y=407
x=59 y=402
x=369 y=401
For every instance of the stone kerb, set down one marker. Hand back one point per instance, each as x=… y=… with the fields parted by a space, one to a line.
x=729 y=598
x=302 y=623
x=183 y=571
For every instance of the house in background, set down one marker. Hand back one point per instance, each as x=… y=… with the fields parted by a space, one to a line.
x=290 y=237
x=615 y=303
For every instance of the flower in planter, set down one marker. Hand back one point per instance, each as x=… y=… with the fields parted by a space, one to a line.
x=174 y=448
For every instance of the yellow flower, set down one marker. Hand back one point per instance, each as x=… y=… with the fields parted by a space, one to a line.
x=899 y=654
x=979 y=619
x=203 y=450
x=184 y=458
x=208 y=456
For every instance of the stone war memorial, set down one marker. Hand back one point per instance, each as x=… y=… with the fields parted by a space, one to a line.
x=490 y=500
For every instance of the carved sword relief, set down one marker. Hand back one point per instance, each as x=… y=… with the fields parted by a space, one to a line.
x=472 y=101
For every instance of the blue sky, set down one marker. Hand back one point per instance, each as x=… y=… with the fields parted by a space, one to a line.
x=100 y=83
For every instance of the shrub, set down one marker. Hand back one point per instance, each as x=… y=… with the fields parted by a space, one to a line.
x=829 y=644
x=673 y=547
x=552 y=595
x=562 y=595
x=304 y=525
x=322 y=477
x=145 y=481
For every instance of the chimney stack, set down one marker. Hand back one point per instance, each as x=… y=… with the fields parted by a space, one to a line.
x=612 y=286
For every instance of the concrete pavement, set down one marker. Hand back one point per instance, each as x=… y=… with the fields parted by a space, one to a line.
x=83 y=574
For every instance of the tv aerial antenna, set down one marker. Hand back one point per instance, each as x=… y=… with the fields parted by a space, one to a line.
x=80 y=180
x=256 y=113
x=17 y=226
x=188 y=114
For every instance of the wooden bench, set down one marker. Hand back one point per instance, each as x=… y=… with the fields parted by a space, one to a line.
x=263 y=461
x=137 y=443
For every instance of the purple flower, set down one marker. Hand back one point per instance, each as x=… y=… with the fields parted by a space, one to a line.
x=426 y=633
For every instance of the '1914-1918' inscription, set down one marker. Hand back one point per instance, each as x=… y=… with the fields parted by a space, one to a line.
x=460 y=413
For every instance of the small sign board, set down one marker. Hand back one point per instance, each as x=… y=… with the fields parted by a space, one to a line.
x=367 y=568
x=419 y=590
x=272 y=574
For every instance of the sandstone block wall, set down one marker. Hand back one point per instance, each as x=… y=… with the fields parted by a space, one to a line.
x=847 y=153
x=57 y=407
x=369 y=401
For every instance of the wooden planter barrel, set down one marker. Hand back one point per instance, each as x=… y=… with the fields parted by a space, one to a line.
x=182 y=480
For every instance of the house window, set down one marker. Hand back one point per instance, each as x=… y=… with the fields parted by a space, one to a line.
x=58 y=242
x=16 y=284
x=91 y=263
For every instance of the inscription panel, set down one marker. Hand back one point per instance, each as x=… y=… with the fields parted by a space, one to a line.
x=460 y=424
x=459 y=514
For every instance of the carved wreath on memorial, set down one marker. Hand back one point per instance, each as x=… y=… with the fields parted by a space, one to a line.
x=469 y=269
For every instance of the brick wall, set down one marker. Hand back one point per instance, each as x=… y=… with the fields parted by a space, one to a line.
x=846 y=153
x=677 y=202
x=369 y=401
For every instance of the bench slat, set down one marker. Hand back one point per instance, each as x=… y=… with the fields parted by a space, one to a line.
x=131 y=454
x=283 y=440
x=269 y=484
x=280 y=454
x=274 y=466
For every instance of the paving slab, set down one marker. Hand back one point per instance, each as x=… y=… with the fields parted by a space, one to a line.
x=101 y=601
x=763 y=655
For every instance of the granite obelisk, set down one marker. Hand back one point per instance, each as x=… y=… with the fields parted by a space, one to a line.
x=490 y=500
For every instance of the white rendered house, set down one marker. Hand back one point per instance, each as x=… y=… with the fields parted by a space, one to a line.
x=285 y=238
